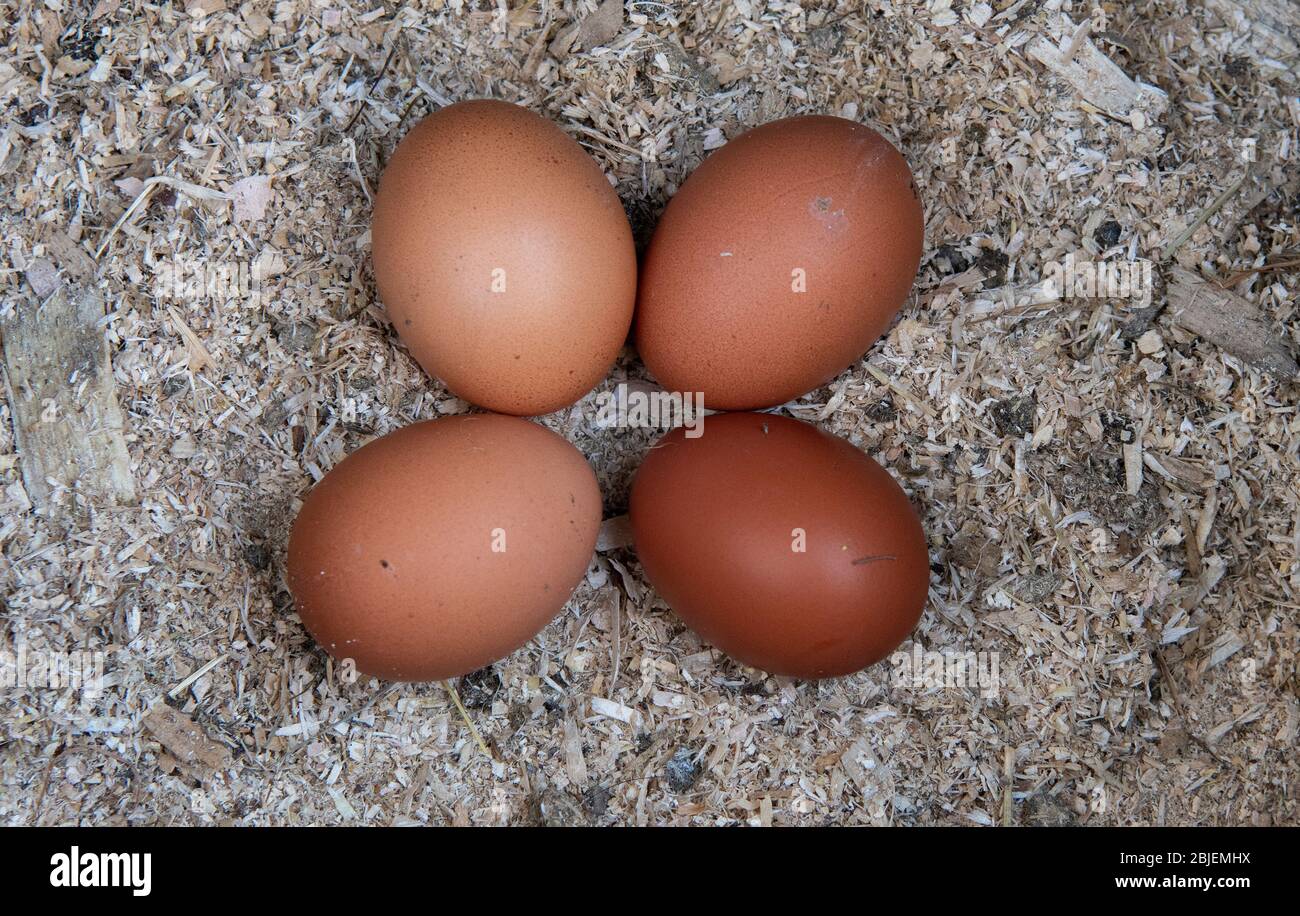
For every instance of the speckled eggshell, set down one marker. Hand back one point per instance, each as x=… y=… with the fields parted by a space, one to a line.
x=504 y=258
x=443 y=546
x=718 y=522
x=778 y=263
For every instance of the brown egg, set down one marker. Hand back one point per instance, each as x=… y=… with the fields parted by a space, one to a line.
x=780 y=544
x=780 y=261
x=503 y=257
x=443 y=546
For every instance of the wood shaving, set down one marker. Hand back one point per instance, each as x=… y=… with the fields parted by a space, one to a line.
x=1127 y=544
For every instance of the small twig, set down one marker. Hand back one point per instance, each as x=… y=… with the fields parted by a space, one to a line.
x=1237 y=276
x=1009 y=775
x=189 y=190
x=45 y=785
x=361 y=105
x=180 y=688
x=1215 y=206
x=415 y=97
x=361 y=179
x=478 y=739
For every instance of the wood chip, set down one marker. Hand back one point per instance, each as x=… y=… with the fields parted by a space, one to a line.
x=601 y=26
x=1100 y=81
x=199 y=357
x=1229 y=321
x=614 y=533
x=184 y=740
x=1133 y=467
x=575 y=763
x=250 y=197
x=60 y=386
x=609 y=708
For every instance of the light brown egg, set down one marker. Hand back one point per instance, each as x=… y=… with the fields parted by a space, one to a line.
x=782 y=545
x=443 y=546
x=504 y=258
x=783 y=257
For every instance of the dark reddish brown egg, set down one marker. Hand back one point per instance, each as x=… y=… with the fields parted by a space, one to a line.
x=504 y=257
x=443 y=546
x=782 y=545
x=780 y=261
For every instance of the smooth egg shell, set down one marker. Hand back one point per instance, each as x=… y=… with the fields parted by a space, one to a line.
x=504 y=258
x=443 y=546
x=718 y=523
x=778 y=263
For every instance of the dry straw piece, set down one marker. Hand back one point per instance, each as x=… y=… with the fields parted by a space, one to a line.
x=1111 y=493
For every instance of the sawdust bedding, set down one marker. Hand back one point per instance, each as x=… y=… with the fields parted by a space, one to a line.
x=1111 y=498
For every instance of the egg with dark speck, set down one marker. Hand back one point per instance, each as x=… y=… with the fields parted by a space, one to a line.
x=780 y=544
x=443 y=546
x=779 y=262
x=504 y=257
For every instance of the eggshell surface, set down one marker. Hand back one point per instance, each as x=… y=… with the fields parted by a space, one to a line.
x=503 y=257
x=778 y=263
x=780 y=544
x=443 y=546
